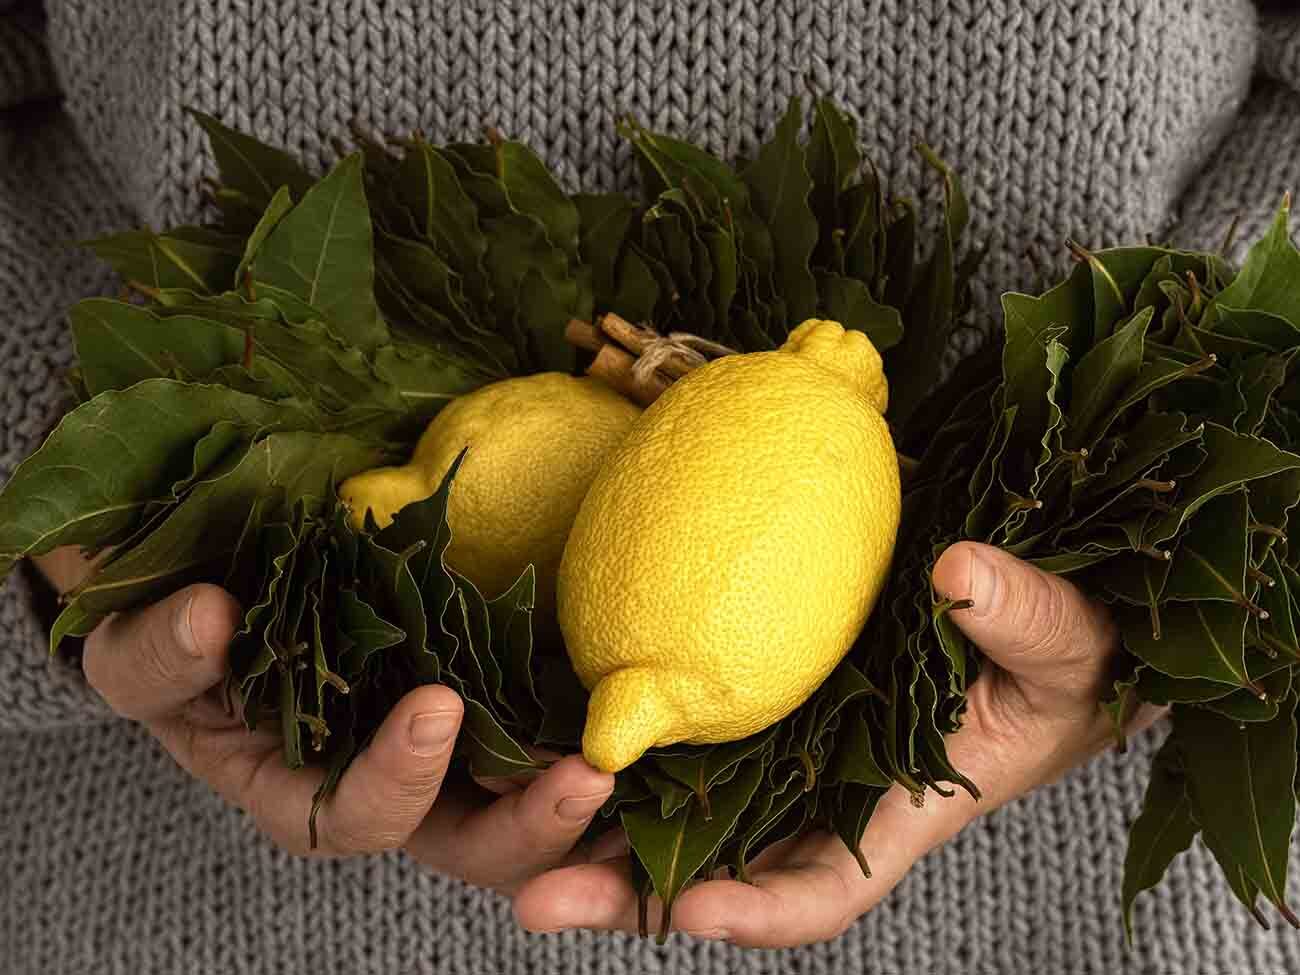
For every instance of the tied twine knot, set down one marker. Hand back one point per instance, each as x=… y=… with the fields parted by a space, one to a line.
x=638 y=361
x=691 y=351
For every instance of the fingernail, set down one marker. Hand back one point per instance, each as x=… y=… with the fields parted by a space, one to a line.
x=431 y=732
x=188 y=642
x=710 y=934
x=579 y=808
x=983 y=583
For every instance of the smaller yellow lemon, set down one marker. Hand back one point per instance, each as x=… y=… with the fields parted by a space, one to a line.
x=535 y=444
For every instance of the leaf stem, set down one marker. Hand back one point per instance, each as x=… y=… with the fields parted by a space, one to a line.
x=1268 y=530
x=1262 y=578
x=809 y=770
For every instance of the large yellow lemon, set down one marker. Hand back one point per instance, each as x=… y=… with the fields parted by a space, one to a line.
x=732 y=546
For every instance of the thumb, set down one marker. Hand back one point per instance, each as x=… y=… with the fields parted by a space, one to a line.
x=1035 y=625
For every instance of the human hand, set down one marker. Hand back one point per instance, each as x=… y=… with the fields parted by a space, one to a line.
x=1032 y=715
x=163 y=666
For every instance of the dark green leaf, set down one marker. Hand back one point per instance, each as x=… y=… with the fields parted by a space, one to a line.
x=169 y=261
x=1163 y=830
x=847 y=301
x=1267 y=279
x=1102 y=375
x=280 y=204
x=119 y=344
x=1241 y=780
x=205 y=528
x=1252 y=325
x=779 y=186
x=1210 y=562
x=1197 y=640
x=532 y=190
x=250 y=167
x=511 y=616
x=1152 y=438
x=854 y=807
x=604 y=220
x=322 y=253
x=492 y=752
x=366 y=632
x=112 y=457
x=1233 y=459
x=673 y=850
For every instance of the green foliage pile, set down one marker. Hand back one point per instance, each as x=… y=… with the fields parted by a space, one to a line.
x=1132 y=429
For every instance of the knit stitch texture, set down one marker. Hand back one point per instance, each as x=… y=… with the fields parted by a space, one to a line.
x=1105 y=120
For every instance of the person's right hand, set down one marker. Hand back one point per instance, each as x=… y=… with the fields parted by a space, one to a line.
x=163 y=666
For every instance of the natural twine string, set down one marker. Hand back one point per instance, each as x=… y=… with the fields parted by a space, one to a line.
x=692 y=350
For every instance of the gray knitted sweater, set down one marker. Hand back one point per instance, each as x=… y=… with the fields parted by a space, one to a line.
x=1101 y=119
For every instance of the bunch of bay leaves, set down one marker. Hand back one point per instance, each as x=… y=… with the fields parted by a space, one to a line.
x=1130 y=429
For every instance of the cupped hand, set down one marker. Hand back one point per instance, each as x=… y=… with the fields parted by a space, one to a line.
x=1032 y=715
x=164 y=667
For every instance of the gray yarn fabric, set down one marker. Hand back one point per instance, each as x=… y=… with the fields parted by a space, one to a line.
x=1105 y=120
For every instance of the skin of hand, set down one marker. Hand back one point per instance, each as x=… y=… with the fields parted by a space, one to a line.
x=1033 y=714
x=163 y=666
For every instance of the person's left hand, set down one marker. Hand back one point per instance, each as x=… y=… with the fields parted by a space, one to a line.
x=1032 y=715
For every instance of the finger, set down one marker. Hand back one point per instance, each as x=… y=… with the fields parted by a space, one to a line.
x=818 y=889
x=380 y=801
x=594 y=896
x=520 y=834
x=1035 y=625
x=812 y=893
x=149 y=663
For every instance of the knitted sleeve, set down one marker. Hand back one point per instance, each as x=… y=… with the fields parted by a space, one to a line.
x=1258 y=159
x=50 y=197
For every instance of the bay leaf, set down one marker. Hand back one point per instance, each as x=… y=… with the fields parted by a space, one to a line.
x=1241 y=781
x=532 y=190
x=1266 y=280
x=250 y=167
x=392 y=577
x=1197 y=640
x=511 y=616
x=112 y=457
x=119 y=344
x=1102 y=375
x=279 y=205
x=1164 y=829
x=205 y=528
x=445 y=215
x=779 y=187
x=366 y=633
x=322 y=252
x=1155 y=436
x=673 y=850
x=853 y=810
x=1234 y=459
x=492 y=752
x=848 y=301
x=604 y=220
x=1211 y=558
